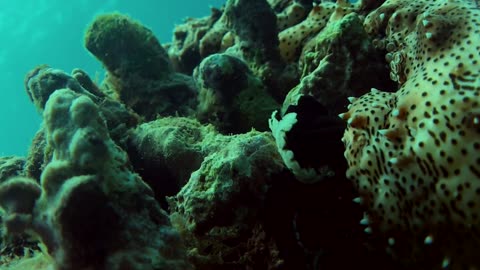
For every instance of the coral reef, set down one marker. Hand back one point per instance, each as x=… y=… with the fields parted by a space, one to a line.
x=246 y=30
x=11 y=166
x=206 y=174
x=255 y=25
x=42 y=81
x=221 y=205
x=166 y=151
x=86 y=209
x=191 y=41
x=230 y=96
x=224 y=150
x=139 y=66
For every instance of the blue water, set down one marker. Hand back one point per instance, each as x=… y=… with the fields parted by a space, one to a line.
x=51 y=32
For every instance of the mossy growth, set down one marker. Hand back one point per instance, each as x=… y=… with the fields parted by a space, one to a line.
x=126 y=47
x=254 y=107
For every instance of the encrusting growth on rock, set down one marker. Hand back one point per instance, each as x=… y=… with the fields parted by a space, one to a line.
x=88 y=177
x=138 y=66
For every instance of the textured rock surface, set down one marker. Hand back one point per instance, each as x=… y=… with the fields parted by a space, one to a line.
x=43 y=81
x=139 y=67
x=231 y=97
x=166 y=151
x=11 y=166
x=91 y=210
x=220 y=209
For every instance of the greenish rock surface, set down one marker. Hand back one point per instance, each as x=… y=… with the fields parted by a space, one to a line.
x=140 y=73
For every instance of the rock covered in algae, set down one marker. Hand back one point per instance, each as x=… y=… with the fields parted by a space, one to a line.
x=43 y=81
x=219 y=210
x=206 y=176
x=191 y=41
x=91 y=210
x=11 y=166
x=255 y=24
x=243 y=29
x=230 y=96
x=140 y=73
x=166 y=151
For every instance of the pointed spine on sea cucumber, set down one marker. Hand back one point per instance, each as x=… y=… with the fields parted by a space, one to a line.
x=357 y=121
x=392 y=134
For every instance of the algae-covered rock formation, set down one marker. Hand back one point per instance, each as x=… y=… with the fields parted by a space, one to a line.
x=224 y=149
x=138 y=66
x=89 y=202
x=230 y=96
x=220 y=210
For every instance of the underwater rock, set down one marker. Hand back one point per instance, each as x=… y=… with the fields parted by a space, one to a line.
x=219 y=211
x=196 y=39
x=87 y=83
x=230 y=96
x=254 y=23
x=166 y=151
x=91 y=210
x=139 y=70
x=17 y=200
x=231 y=31
x=244 y=164
x=11 y=166
x=38 y=155
x=414 y=154
x=42 y=81
x=191 y=40
x=126 y=47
